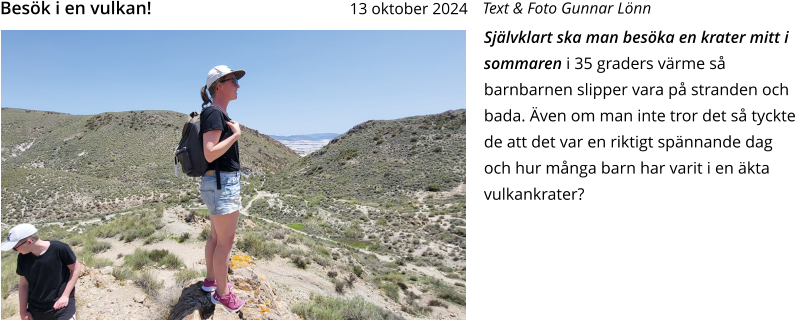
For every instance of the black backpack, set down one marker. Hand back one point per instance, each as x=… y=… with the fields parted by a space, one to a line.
x=190 y=152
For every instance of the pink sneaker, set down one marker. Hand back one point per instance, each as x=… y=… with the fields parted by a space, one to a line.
x=210 y=286
x=230 y=302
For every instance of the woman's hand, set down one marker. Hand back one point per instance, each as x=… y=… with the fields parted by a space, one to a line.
x=234 y=126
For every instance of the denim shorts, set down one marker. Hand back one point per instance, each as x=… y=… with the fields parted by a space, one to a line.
x=225 y=200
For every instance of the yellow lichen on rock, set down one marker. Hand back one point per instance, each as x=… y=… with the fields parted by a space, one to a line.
x=264 y=309
x=241 y=261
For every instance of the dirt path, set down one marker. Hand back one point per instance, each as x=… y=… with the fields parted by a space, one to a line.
x=431 y=272
x=261 y=194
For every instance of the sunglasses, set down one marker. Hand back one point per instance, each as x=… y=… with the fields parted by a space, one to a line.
x=234 y=80
x=20 y=244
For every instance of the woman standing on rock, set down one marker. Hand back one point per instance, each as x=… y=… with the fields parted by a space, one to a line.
x=220 y=186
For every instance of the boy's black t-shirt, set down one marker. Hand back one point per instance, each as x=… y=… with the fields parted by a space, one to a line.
x=212 y=118
x=47 y=275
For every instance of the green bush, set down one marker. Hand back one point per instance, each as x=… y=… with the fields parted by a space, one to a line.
x=92 y=260
x=142 y=258
x=184 y=237
x=154 y=238
x=349 y=280
x=171 y=261
x=339 y=286
x=122 y=273
x=185 y=276
x=358 y=271
x=451 y=295
x=391 y=290
x=323 y=308
x=75 y=241
x=433 y=187
x=205 y=234
x=95 y=247
x=437 y=303
x=299 y=261
x=319 y=248
x=257 y=246
x=149 y=283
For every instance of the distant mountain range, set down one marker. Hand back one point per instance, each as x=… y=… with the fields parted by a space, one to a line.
x=313 y=136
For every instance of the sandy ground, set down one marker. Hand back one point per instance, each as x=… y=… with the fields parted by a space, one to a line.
x=292 y=284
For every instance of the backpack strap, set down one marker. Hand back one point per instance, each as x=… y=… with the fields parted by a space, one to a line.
x=217 y=172
x=218 y=179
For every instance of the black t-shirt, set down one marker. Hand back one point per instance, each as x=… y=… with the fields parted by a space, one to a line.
x=213 y=118
x=47 y=275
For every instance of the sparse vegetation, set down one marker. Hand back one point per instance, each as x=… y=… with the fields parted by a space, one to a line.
x=94 y=247
x=358 y=271
x=323 y=308
x=444 y=157
x=339 y=286
x=149 y=283
x=437 y=303
x=185 y=276
x=205 y=234
x=123 y=273
x=77 y=158
x=184 y=237
x=142 y=258
x=372 y=197
x=257 y=246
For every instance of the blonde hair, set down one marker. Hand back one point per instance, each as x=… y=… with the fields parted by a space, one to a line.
x=205 y=98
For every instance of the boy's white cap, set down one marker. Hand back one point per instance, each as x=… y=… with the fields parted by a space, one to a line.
x=17 y=233
x=218 y=72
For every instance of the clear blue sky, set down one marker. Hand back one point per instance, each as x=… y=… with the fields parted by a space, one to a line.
x=297 y=82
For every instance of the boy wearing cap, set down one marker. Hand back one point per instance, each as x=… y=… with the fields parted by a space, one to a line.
x=48 y=272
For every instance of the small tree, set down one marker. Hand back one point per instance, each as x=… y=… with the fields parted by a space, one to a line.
x=349 y=280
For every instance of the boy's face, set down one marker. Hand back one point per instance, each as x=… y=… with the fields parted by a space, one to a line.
x=23 y=246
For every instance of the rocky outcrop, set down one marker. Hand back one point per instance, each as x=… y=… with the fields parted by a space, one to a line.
x=260 y=296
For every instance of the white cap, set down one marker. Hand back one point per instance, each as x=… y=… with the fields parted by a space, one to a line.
x=17 y=233
x=219 y=72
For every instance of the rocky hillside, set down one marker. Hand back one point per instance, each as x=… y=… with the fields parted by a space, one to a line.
x=58 y=165
x=147 y=263
x=383 y=159
x=392 y=187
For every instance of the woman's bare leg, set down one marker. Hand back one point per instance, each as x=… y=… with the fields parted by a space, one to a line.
x=225 y=226
x=209 y=250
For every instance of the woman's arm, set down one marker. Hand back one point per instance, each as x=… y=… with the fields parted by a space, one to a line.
x=214 y=149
